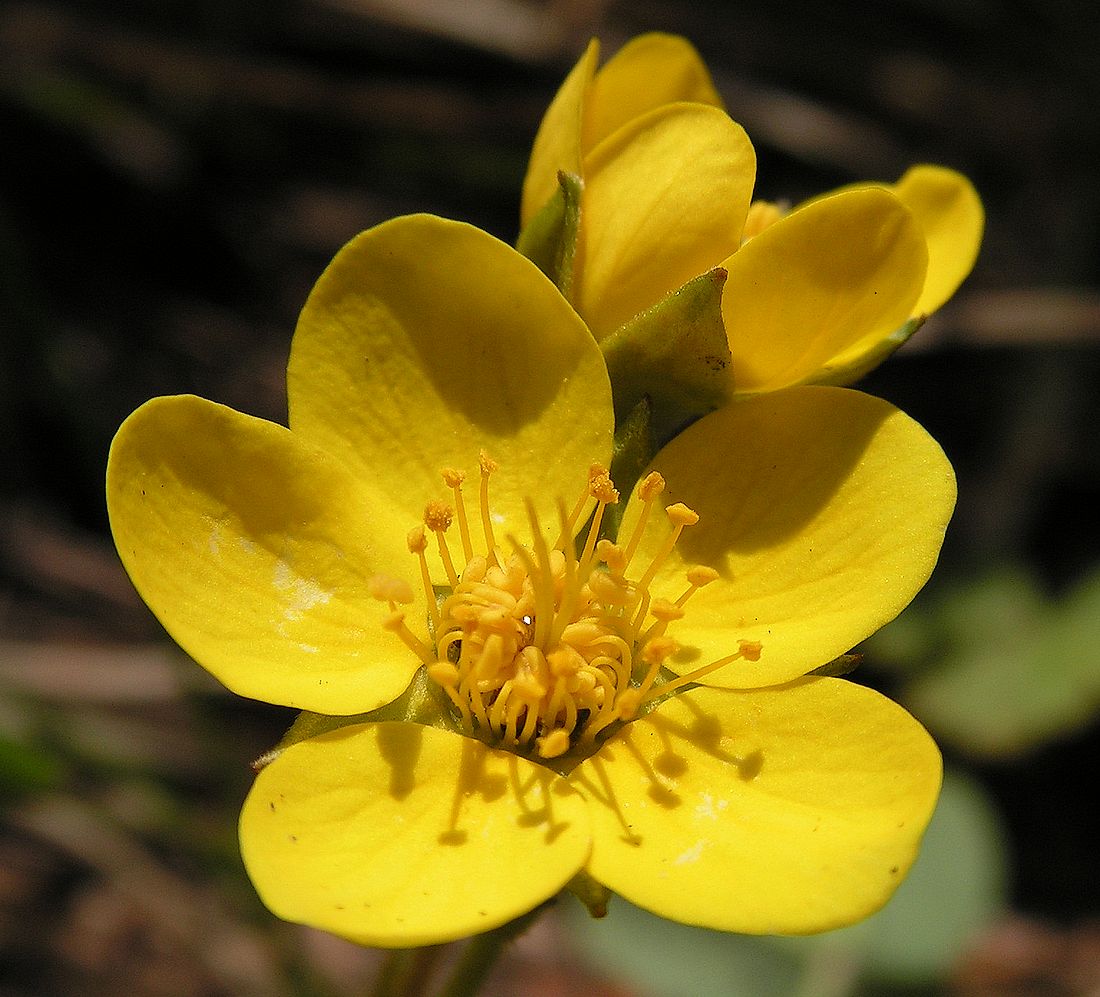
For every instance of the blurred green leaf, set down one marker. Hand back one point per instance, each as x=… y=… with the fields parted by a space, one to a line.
x=27 y=769
x=1009 y=668
x=955 y=888
x=667 y=959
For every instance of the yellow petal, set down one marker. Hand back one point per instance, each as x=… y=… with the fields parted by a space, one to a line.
x=254 y=551
x=842 y=269
x=558 y=141
x=949 y=210
x=789 y=810
x=665 y=201
x=647 y=72
x=394 y=834
x=823 y=510
x=426 y=340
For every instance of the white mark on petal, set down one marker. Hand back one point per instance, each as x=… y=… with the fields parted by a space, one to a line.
x=304 y=593
x=691 y=855
x=710 y=808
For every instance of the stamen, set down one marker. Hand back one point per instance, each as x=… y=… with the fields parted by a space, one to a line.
x=654 y=654
x=698 y=576
x=664 y=612
x=487 y=466
x=418 y=543
x=453 y=479
x=390 y=590
x=395 y=623
x=680 y=516
x=571 y=589
x=748 y=650
x=438 y=517
x=601 y=488
x=652 y=485
x=570 y=526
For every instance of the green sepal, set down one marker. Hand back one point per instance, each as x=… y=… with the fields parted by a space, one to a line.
x=843 y=665
x=549 y=240
x=420 y=703
x=676 y=355
x=633 y=449
x=851 y=372
x=595 y=896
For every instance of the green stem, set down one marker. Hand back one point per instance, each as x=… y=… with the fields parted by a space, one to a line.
x=405 y=972
x=481 y=953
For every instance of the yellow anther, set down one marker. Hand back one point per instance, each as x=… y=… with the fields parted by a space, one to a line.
x=601 y=487
x=680 y=515
x=563 y=661
x=417 y=540
x=554 y=744
x=652 y=485
x=750 y=649
x=700 y=575
x=626 y=706
x=444 y=673
x=386 y=588
x=611 y=554
x=487 y=464
x=453 y=478
x=610 y=590
x=438 y=516
x=666 y=611
x=657 y=649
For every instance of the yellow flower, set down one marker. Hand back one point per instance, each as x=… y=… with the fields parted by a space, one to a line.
x=821 y=294
x=409 y=541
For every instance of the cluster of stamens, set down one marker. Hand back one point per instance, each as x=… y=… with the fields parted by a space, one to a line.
x=545 y=646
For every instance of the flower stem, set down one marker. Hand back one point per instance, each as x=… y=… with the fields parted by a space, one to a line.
x=405 y=972
x=481 y=953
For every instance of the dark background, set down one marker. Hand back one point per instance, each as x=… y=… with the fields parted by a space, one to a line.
x=173 y=178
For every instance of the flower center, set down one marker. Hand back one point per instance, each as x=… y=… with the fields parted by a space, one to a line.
x=541 y=648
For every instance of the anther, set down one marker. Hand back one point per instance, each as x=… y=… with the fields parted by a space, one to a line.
x=601 y=487
x=652 y=485
x=417 y=540
x=554 y=744
x=680 y=515
x=654 y=652
x=665 y=611
x=612 y=555
x=750 y=649
x=386 y=588
x=438 y=517
x=699 y=575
